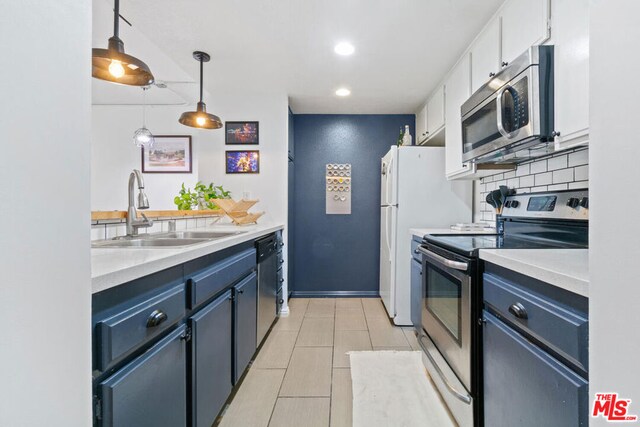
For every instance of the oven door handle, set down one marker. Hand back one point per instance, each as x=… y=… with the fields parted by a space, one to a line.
x=464 y=397
x=457 y=265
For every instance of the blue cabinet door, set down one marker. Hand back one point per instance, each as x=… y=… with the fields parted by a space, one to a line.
x=416 y=293
x=524 y=386
x=245 y=323
x=151 y=390
x=211 y=359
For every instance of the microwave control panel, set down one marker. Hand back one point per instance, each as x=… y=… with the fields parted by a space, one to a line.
x=338 y=188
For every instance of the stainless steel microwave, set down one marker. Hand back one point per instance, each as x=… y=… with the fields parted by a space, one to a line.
x=510 y=118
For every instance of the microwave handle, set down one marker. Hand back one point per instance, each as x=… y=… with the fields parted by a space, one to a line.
x=501 y=128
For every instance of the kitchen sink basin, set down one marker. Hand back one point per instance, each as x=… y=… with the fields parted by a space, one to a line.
x=210 y=235
x=147 y=243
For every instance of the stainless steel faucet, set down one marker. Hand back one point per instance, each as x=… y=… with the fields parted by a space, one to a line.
x=133 y=223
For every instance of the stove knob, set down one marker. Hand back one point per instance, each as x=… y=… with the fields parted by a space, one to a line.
x=508 y=204
x=584 y=202
x=515 y=203
x=573 y=202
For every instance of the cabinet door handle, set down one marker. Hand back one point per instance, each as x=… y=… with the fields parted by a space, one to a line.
x=492 y=74
x=504 y=63
x=241 y=291
x=155 y=318
x=281 y=280
x=519 y=311
x=281 y=261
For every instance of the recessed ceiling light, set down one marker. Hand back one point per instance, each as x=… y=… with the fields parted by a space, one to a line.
x=343 y=91
x=344 y=49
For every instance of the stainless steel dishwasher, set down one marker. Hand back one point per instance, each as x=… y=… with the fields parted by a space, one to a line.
x=267 y=284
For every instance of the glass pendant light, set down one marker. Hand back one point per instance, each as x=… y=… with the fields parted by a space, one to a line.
x=143 y=137
x=113 y=65
x=200 y=118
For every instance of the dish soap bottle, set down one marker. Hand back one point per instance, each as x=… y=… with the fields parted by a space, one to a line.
x=400 y=138
x=406 y=136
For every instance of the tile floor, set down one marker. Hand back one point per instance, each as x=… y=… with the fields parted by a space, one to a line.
x=301 y=375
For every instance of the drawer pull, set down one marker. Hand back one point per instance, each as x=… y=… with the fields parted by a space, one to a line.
x=519 y=311
x=156 y=318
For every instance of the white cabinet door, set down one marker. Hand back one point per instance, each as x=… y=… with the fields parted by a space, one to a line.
x=421 y=125
x=485 y=55
x=457 y=91
x=524 y=23
x=435 y=111
x=570 y=36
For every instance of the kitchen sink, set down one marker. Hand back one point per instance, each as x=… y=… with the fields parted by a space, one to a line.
x=210 y=235
x=147 y=243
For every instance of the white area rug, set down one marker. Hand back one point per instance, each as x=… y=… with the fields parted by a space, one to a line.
x=391 y=388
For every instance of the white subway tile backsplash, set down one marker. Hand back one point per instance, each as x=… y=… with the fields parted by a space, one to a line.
x=98 y=232
x=578 y=185
x=527 y=181
x=563 y=175
x=538 y=189
x=513 y=183
x=181 y=224
x=582 y=173
x=538 y=166
x=555 y=163
x=579 y=158
x=508 y=175
x=557 y=187
x=523 y=170
x=544 y=178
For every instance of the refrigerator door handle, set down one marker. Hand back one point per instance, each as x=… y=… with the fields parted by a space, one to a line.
x=389 y=182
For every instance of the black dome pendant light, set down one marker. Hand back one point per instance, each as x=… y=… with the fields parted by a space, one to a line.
x=113 y=65
x=200 y=118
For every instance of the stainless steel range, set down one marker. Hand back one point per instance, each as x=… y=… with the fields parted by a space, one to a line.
x=452 y=287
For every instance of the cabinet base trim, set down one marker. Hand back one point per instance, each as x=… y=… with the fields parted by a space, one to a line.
x=325 y=294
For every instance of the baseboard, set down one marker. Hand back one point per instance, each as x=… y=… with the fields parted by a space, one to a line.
x=335 y=294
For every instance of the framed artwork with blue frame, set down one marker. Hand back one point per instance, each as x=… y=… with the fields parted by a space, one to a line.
x=245 y=161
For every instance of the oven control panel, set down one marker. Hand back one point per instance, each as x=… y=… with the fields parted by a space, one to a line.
x=567 y=204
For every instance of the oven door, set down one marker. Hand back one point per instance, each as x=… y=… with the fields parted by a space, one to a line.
x=503 y=119
x=446 y=310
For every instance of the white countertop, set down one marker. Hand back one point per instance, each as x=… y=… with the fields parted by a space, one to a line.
x=421 y=232
x=114 y=266
x=565 y=268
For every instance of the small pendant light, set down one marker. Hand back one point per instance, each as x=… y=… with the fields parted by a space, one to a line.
x=200 y=118
x=113 y=65
x=143 y=137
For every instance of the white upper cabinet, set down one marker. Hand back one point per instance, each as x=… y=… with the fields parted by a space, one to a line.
x=485 y=55
x=570 y=36
x=457 y=90
x=435 y=111
x=421 y=125
x=525 y=23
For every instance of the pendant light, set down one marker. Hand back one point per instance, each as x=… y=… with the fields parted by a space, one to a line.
x=143 y=137
x=113 y=65
x=200 y=118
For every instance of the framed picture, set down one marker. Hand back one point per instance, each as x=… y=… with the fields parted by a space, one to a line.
x=169 y=154
x=243 y=161
x=238 y=133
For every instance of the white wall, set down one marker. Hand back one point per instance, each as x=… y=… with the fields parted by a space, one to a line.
x=45 y=300
x=614 y=289
x=114 y=156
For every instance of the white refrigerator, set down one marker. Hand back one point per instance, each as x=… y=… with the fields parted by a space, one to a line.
x=414 y=194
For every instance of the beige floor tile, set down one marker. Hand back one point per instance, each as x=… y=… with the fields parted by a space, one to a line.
x=316 y=332
x=392 y=348
x=298 y=306
x=410 y=335
x=276 y=351
x=296 y=412
x=289 y=323
x=341 y=399
x=350 y=320
x=321 y=307
x=254 y=401
x=349 y=341
x=383 y=334
x=309 y=373
x=348 y=303
x=373 y=308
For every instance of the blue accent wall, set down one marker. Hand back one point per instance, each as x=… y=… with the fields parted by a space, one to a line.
x=336 y=254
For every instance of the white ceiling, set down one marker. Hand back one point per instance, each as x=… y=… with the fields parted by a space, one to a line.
x=403 y=48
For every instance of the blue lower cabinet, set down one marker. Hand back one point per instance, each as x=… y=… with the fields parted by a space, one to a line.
x=211 y=356
x=525 y=386
x=151 y=390
x=416 y=293
x=245 y=323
